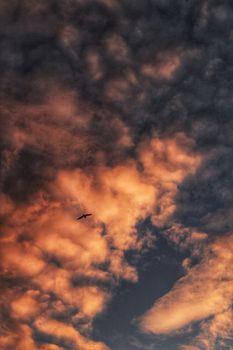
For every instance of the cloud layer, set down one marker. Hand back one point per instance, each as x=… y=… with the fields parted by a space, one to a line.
x=61 y=270
x=123 y=109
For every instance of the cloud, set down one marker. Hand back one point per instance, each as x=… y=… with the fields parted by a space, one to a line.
x=22 y=339
x=205 y=292
x=115 y=108
x=65 y=266
x=167 y=162
x=217 y=331
x=59 y=330
x=165 y=67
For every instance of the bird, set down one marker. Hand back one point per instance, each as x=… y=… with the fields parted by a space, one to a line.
x=83 y=216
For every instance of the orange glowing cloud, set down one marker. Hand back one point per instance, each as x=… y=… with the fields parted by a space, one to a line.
x=163 y=68
x=51 y=347
x=21 y=339
x=166 y=163
x=94 y=64
x=61 y=259
x=61 y=330
x=205 y=292
x=216 y=331
x=26 y=306
x=112 y=193
x=116 y=47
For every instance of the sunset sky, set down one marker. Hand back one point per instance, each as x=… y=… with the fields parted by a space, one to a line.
x=122 y=109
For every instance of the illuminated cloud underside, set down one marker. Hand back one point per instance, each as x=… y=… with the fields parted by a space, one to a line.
x=122 y=109
x=46 y=246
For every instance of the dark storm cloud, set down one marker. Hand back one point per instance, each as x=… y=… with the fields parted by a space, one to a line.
x=39 y=49
x=197 y=100
x=60 y=45
x=205 y=200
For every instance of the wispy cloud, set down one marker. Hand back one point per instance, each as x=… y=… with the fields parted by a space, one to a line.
x=205 y=293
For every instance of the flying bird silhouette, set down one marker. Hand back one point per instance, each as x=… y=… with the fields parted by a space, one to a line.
x=83 y=216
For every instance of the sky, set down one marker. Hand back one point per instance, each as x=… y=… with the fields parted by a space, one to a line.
x=122 y=109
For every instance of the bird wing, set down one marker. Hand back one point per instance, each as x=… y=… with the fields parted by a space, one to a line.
x=83 y=216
